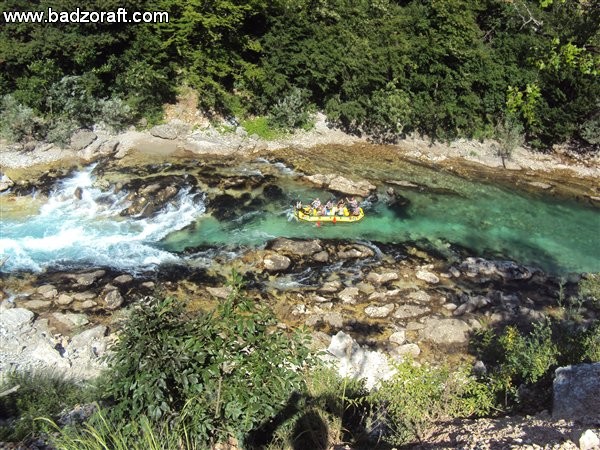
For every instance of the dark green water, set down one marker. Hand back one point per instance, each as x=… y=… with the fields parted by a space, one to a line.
x=556 y=236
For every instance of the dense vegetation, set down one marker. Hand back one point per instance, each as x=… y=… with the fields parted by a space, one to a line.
x=178 y=380
x=444 y=68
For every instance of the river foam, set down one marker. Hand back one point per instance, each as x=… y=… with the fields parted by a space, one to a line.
x=80 y=224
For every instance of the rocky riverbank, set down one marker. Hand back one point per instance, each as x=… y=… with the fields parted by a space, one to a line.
x=412 y=299
x=560 y=170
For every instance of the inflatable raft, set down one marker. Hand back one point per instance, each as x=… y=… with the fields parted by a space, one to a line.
x=305 y=214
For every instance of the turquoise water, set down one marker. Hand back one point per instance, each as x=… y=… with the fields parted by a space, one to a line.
x=558 y=237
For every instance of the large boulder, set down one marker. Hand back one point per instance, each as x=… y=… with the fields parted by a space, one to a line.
x=355 y=362
x=5 y=183
x=342 y=185
x=81 y=139
x=276 y=263
x=172 y=130
x=482 y=270
x=576 y=390
x=100 y=149
x=444 y=331
x=296 y=248
x=355 y=251
x=15 y=320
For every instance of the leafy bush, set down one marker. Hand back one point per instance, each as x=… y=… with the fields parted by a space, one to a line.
x=216 y=375
x=262 y=127
x=292 y=111
x=590 y=343
x=509 y=133
x=114 y=112
x=19 y=122
x=75 y=98
x=61 y=130
x=40 y=394
x=417 y=396
x=589 y=288
x=389 y=113
x=515 y=359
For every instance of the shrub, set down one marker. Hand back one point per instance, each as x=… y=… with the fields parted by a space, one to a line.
x=216 y=375
x=114 y=112
x=19 y=122
x=74 y=98
x=515 y=359
x=389 y=113
x=591 y=344
x=40 y=394
x=293 y=111
x=61 y=130
x=417 y=396
x=262 y=127
x=589 y=288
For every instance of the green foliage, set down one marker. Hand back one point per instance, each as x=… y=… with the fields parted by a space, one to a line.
x=262 y=127
x=514 y=359
x=447 y=69
x=590 y=129
x=510 y=136
x=217 y=375
x=292 y=111
x=99 y=433
x=419 y=395
x=39 y=395
x=589 y=288
x=590 y=341
x=19 y=122
x=388 y=112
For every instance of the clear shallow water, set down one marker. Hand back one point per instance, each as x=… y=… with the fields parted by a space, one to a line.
x=559 y=237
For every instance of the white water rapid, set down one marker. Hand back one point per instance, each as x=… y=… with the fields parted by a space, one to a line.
x=75 y=230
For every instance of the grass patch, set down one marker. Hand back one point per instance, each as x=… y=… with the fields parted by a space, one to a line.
x=40 y=394
x=262 y=127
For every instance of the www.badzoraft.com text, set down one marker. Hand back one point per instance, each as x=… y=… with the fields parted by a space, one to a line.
x=121 y=15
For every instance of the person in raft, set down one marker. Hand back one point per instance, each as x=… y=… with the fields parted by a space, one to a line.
x=329 y=208
x=341 y=208
x=316 y=204
x=353 y=206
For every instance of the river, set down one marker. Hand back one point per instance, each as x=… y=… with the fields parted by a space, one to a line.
x=444 y=210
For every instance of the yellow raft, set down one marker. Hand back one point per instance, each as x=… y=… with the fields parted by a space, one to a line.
x=305 y=214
